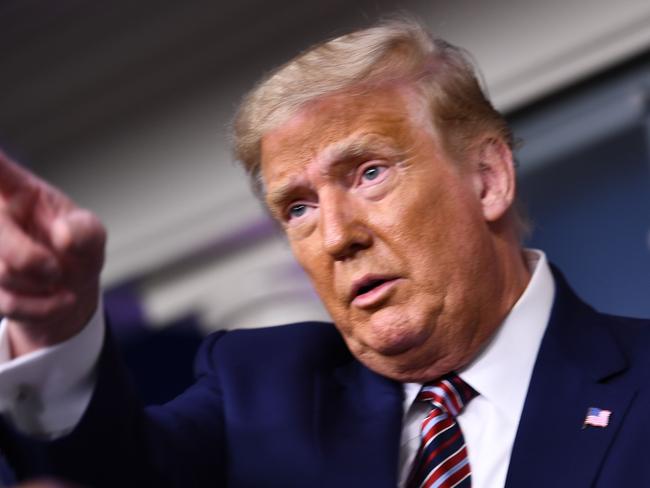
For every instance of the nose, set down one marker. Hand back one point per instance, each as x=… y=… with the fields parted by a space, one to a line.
x=343 y=227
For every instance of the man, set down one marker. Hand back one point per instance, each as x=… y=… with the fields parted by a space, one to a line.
x=392 y=177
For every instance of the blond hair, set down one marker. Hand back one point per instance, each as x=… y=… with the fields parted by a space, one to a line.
x=394 y=50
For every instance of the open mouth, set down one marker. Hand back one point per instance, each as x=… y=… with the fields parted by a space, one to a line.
x=370 y=288
x=369 y=285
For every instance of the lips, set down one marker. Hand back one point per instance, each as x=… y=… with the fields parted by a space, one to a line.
x=371 y=289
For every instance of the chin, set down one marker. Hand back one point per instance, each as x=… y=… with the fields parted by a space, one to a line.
x=404 y=352
x=397 y=369
x=391 y=335
x=406 y=368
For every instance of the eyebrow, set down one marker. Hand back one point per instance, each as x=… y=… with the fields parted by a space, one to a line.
x=280 y=195
x=355 y=146
x=333 y=155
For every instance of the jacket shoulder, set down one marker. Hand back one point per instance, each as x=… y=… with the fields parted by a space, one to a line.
x=303 y=344
x=632 y=334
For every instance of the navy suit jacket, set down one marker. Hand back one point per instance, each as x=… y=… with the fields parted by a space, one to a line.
x=291 y=407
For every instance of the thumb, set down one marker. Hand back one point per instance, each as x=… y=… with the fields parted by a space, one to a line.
x=78 y=233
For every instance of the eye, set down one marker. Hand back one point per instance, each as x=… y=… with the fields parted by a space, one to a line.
x=296 y=211
x=372 y=173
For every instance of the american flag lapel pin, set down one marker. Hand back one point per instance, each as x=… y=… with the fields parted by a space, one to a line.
x=596 y=417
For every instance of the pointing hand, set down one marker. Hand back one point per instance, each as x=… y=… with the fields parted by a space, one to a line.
x=51 y=254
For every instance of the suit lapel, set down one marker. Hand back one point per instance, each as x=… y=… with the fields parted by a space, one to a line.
x=579 y=365
x=358 y=421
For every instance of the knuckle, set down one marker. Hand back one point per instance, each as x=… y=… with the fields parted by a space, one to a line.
x=4 y=273
x=25 y=262
x=31 y=262
x=20 y=262
x=82 y=232
x=94 y=227
x=55 y=306
x=7 y=278
x=9 y=304
x=46 y=308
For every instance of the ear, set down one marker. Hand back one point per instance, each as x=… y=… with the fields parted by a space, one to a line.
x=495 y=178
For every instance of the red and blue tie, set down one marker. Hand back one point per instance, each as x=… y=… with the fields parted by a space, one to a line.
x=441 y=461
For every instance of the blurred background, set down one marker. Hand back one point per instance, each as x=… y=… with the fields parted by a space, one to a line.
x=126 y=105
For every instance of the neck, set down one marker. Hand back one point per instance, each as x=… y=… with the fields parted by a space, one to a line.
x=513 y=270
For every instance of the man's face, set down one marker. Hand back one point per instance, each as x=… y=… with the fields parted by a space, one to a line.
x=390 y=230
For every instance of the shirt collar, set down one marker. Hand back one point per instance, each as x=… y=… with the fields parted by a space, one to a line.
x=502 y=371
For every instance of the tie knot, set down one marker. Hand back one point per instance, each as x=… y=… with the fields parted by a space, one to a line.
x=449 y=393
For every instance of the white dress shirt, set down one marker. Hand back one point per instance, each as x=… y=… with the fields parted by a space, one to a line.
x=500 y=375
x=46 y=392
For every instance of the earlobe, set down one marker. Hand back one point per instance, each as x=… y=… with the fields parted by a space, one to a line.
x=496 y=178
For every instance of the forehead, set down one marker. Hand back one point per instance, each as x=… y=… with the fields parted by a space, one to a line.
x=381 y=114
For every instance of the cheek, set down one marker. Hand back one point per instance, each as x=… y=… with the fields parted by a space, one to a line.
x=321 y=272
x=433 y=214
x=429 y=234
x=414 y=225
x=318 y=267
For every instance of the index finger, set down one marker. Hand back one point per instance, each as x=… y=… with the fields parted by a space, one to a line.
x=13 y=177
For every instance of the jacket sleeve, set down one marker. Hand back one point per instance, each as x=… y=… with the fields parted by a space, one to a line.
x=118 y=443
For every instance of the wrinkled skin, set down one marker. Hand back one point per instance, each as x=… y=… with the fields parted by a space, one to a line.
x=413 y=254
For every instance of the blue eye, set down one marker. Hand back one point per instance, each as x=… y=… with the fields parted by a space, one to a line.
x=298 y=210
x=371 y=172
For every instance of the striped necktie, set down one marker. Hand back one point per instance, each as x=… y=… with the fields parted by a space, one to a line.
x=441 y=461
